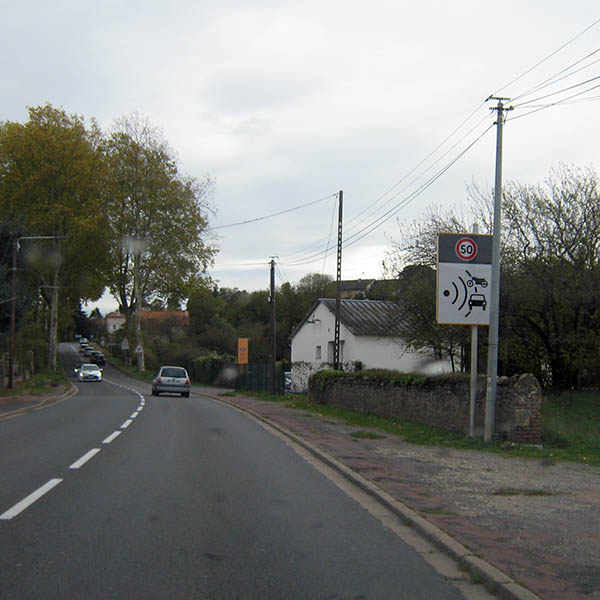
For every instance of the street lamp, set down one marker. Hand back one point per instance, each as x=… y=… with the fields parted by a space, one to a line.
x=13 y=308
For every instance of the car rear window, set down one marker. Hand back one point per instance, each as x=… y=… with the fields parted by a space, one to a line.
x=174 y=372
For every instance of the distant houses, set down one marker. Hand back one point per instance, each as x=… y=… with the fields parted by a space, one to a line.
x=115 y=320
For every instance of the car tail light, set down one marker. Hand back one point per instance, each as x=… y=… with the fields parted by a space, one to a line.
x=158 y=380
x=187 y=381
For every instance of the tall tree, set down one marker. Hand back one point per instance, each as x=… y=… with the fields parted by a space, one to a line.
x=411 y=261
x=158 y=222
x=51 y=173
x=417 y=316
x=552 y=263
x=550 y=282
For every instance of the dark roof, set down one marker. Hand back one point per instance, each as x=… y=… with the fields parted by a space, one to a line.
x=368 y=317
x=355 y=285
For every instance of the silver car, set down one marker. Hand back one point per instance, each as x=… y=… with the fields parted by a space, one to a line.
x=171 y=380
x=89 y=372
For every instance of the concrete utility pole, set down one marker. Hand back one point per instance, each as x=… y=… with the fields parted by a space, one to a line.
x=474 y=348
x=338 y=295
x=272 y=357
x=492 y=366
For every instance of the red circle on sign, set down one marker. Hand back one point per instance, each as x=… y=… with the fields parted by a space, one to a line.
x=466 y=248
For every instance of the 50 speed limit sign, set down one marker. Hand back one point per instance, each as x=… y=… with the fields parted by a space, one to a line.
x=466 y=248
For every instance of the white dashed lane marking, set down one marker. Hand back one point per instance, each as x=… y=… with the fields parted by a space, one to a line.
x=41 y=491
x=111 y=437
x=87 y=456
x=33 y=497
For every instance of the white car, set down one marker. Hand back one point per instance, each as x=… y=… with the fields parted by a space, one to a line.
x=171 y=380
x=89 y=372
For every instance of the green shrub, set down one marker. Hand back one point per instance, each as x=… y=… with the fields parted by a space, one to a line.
x=207 y=369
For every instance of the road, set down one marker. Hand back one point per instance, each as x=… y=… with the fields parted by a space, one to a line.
x=114 y=493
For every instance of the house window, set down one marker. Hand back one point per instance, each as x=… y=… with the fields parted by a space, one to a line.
x=318 y=353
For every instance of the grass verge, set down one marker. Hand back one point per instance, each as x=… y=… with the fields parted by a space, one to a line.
x=41 y=383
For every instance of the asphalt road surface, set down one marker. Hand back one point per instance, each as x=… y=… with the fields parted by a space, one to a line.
x=114 y=493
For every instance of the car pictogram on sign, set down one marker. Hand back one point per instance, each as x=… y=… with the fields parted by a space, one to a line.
x=477 y=300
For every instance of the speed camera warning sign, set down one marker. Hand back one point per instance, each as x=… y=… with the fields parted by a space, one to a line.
x=463 y=279
x=466 y=248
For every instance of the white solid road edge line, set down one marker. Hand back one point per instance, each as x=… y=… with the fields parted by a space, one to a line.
x=84 y=458
x=111 y=437
x=21 y=506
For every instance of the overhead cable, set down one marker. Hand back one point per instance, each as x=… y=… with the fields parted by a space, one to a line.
x=541 y=62
x=281 y=212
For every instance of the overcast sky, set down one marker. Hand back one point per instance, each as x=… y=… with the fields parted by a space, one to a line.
x=286 y=103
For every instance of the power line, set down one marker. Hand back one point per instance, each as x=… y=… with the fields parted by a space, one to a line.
x=557 y=76
x=430 y=166
x=423 y=161
x=558 y=92
x=373 y=208
x=557 y=103
x=329 y=238
x=282 y=212
x=368 y=229
x=541 y=62
x=319 y=252
x=403 y=203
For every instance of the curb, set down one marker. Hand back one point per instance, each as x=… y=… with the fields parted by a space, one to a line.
x=494 y=580
x=43 y=403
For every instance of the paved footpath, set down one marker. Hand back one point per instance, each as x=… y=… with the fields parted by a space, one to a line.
x=530 y=528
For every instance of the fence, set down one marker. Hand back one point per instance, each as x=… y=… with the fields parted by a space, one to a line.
x=256 y=377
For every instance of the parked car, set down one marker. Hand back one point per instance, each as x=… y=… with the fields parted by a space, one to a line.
x=89 y=372
x=171 y=380
x=88 y=351
x=97 y=358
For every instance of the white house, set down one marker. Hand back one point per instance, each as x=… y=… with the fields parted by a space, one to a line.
x=370 y=332
x=114 y=321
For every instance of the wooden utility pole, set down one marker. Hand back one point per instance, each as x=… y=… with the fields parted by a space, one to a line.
x=338 y=296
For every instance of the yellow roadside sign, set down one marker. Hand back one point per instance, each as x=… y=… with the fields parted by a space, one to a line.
x=242 y=351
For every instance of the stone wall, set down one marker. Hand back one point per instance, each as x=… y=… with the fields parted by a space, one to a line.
x=442 y=401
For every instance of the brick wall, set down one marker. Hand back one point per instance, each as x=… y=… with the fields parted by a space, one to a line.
x=439 y=401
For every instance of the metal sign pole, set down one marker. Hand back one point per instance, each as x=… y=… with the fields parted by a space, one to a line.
x=474 y=344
